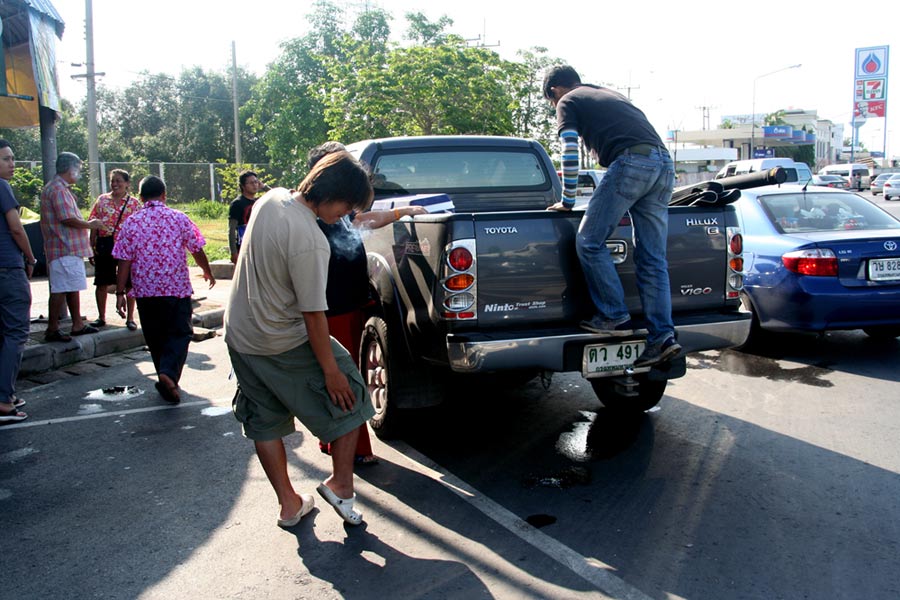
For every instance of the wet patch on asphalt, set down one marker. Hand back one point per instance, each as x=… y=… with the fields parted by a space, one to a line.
x=752 y=365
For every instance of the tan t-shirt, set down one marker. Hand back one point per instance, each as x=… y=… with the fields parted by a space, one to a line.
x=281 y=273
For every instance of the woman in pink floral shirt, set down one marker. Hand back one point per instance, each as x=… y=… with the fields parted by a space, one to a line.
x=151 y=249
x=112 y=209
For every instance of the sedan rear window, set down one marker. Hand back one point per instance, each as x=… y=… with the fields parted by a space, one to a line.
x=461 y=170
x=792 y=213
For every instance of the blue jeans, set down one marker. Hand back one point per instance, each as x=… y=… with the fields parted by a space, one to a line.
x=15 y=323
x=641 y=185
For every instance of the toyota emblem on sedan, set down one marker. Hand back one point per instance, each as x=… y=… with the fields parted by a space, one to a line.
x=890 y=245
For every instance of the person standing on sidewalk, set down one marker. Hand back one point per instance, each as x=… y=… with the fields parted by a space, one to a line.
x=151 y=250
x=239 y=211
x=112 y=209
x=16 y=266
x=639 y=180
x=67 y=243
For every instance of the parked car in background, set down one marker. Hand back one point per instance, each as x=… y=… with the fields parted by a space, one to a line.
x=832 y=181
x=796 y=172
x=856 y=173
x=891 y=187
x=876 y=184
x=819 y=260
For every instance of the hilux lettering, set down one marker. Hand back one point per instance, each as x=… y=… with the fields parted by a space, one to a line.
x=701 y=222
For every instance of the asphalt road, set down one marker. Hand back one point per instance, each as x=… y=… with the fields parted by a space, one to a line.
x=766 y=475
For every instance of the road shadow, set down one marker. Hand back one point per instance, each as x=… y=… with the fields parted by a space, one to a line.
x=365 y=567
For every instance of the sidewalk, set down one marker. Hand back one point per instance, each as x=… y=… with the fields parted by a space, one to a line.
x=41 y=357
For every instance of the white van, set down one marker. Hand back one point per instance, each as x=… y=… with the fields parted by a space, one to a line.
x=796 y=172
x=849 y=171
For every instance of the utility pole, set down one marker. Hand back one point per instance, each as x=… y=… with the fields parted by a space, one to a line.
x=234 y=98
x=90 y=78
x=705 y=111
x=93 y=153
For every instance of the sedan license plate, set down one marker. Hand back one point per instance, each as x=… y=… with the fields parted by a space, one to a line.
x=603 y=359
x=884 y=269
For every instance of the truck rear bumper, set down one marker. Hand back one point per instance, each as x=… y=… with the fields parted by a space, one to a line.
x=561 y=350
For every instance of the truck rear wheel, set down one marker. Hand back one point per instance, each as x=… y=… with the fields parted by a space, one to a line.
x=397 y=385
x=648 y=393
x=376 y=367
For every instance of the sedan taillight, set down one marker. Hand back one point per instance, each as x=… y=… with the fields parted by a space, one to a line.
x=819 y=262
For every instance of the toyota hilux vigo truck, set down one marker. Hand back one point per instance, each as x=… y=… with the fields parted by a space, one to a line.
x=494 y=287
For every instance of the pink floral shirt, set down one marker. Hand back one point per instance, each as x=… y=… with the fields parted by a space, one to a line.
x=154 y=239
x=108 y=210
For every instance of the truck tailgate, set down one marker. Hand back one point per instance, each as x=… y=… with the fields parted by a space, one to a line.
x=528 y=270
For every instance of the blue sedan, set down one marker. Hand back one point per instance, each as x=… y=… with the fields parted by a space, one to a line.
x=819 y=259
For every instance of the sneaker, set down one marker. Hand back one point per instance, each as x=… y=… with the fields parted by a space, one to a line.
x=610 y=328
x=657 y=353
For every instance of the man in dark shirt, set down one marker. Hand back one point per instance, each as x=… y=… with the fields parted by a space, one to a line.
x=239 y=211
x=639 y=179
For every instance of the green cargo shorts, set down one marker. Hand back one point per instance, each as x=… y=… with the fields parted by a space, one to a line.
x=275 y=389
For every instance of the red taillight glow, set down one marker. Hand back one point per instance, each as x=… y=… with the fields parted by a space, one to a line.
x=737 y=244
x=460 y=259
x=820 y=262
x=736 y=264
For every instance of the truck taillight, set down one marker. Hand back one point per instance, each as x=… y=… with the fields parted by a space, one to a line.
x=460 y=259
x=734 y=280
x=459 y=281
x=818 y=262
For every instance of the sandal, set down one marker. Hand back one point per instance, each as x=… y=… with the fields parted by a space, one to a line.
x=12 y=416
x=85 y=330
x=18 y=402
x=342 y=506
x=363 y=459
x=98 y=323
x=307 y=503
x=131 y=325
x=57 y=336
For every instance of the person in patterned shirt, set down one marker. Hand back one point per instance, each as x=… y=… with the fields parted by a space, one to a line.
x=112 y=209
x=151 y=250
x=66 y=245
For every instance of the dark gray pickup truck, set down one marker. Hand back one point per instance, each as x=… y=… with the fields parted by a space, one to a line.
x=495 y=287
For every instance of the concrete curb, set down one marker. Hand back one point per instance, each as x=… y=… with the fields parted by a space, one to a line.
x=48 y=356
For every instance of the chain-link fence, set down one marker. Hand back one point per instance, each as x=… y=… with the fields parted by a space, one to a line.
x=185 y=182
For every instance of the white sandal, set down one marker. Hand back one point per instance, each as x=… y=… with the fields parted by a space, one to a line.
x=342 y=506
x=307 y=504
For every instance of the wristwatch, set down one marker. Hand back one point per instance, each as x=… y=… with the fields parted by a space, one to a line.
x=31 y=263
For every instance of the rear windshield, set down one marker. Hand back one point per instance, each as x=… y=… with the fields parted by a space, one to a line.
x=458 y=170
x=792 y=213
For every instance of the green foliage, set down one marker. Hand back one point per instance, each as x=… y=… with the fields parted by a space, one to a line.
x=205 y=209
x=27 y=185
x=229 y=174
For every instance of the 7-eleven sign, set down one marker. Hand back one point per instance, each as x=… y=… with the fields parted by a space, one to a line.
x=873 y=89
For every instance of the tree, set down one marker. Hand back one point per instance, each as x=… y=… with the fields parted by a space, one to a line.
x=424 y=32
x=533 y=116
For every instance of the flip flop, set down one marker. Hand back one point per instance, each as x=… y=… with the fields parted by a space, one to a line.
x=342 y=506
x=12 y=416
x=87 y=329
x=18 y=402
x=364 y=460
x=131 y=325
x=307 y=504
x=166 y=393
x=57 y=336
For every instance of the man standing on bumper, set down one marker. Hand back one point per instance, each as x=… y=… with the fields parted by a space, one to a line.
x=277 y=335
x=639 y=179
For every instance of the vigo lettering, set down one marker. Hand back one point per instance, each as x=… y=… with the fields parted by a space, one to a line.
x=689 y=290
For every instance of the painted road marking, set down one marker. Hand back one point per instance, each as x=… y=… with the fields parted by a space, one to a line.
x=594 y=571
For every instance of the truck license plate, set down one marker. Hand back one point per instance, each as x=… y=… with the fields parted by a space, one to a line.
x=602 y=359
x=884 y=269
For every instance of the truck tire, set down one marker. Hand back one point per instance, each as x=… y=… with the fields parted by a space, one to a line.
x=649 y=393
x=887 y=332
x=397 y=385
